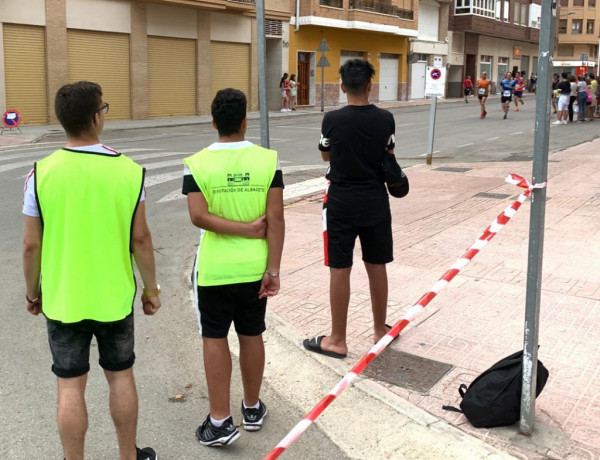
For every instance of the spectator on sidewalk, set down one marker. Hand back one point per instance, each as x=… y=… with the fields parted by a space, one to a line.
x=355 y=139
x=564 y=88
x=467 y=88
x=235 y=195
x=84 y=218
x=572 y=96
x=284 y=86
x=581 y=97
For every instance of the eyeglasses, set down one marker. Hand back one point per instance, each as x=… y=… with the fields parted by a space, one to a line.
x=103 y=109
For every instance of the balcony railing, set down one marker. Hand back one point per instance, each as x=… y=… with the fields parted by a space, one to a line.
x=332 y=3
x=383 y=8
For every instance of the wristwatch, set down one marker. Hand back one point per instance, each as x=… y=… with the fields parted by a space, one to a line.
x=151 y=292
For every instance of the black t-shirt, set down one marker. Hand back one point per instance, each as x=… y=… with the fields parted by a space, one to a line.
x=565 y=87
x=358 y=138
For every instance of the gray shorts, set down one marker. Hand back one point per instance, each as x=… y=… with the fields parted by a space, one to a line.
x=70 y=345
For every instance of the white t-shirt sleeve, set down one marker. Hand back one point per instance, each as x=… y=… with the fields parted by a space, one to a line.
x=30 y=207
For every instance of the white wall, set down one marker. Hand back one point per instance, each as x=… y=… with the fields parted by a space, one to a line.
x=103 y=15
x=32 y=12
x=429 y=21
x=167 y=21
x=230 y=28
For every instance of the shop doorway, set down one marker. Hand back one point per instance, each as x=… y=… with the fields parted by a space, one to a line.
x=304 y=78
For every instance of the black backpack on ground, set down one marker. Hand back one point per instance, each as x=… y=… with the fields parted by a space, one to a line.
x=494 y=397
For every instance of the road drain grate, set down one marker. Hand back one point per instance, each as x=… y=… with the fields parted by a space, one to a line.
x=450 y=169
x=408 y=371
x=498 y=196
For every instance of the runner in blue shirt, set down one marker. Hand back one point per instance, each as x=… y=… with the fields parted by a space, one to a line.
x=507 y=85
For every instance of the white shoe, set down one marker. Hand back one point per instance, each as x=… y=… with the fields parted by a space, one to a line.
x=557 y=122
x=564 y=122
x=282 y=110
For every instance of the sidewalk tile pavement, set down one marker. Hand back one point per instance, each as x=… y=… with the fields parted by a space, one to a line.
x=479 y=318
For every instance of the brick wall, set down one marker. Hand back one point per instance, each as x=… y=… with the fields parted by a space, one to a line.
x=57 y=66
x=138 y=67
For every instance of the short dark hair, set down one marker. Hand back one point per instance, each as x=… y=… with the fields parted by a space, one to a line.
x=75 y=105
x=356 y=75
x=565 y=75
x=228 y=109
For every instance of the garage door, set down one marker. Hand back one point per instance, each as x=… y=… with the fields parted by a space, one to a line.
x=102 y=58
x=25 y=70
x=388 y=77
x=171 y=76
x=230 y=67
x=346 y=56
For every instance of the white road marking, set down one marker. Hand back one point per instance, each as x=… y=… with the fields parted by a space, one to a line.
x=132 y=150
x=148 y=156
x=492 y=138
x=161 y=178
x=425 y=154
x=297 y=168
x=297 y=127
x=290 y=191
x=464 y=145
x=404 y=124
x=514 y=134
x=11 y=166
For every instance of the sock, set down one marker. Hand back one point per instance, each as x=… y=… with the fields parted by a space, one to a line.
x=256 y=406
x=218 y=423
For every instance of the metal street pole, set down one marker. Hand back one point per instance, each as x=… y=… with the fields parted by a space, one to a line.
x=432 y=112
x=537 y=216
x=323 y=87
x=262 y=78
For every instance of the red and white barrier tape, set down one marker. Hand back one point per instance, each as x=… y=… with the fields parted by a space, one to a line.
x=483 y=239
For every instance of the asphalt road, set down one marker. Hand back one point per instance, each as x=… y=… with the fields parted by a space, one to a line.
x=168 y=347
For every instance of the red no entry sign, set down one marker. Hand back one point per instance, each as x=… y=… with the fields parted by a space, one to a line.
x=436 y=74
x=11 y=118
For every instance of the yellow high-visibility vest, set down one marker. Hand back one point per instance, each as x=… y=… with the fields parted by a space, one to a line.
x=87 y=202
x=235 y=183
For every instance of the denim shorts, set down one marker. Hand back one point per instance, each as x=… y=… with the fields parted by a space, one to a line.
x=70 y=345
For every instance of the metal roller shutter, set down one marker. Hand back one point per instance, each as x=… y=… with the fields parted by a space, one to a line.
x=388 y=77
x=171 y=76
x=102 y=58
x=230 y=67
x=25 y=70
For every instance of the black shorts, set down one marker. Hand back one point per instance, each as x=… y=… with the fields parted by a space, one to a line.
x=504 y=99
x=467 y=91
x=340 y=236
x=70 y=345
x=481 y=96
x=219 y=306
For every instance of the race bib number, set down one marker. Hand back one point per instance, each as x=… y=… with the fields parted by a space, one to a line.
x=481 y=90
x=506 y=93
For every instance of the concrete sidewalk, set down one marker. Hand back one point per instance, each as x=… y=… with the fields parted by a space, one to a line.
x=479 y=318
x=37 y=133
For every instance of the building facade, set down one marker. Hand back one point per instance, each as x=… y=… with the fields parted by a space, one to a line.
x=376 y=30
x=577 y=38
x=431 y=43
x=497 y=36
x=152 y=59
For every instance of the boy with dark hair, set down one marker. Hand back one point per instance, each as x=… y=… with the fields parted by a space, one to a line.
x=235 y=195
x=355 y=140
x=84 y=219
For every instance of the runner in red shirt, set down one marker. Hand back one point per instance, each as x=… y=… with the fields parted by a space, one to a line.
x=518 y=94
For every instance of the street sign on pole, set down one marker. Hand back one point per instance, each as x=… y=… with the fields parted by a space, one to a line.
x=323 y=62
x=537 y=216
x=323 y=46
x=435 y=81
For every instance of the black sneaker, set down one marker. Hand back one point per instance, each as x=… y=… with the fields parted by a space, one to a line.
x=253 y=418
x=210 y=435
x=147 y=453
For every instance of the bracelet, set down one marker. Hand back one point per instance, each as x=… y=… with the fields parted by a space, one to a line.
x=151 y=292
x=273 y=274
x=31 y=300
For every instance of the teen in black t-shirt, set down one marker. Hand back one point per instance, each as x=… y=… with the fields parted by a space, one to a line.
x=355 y=140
